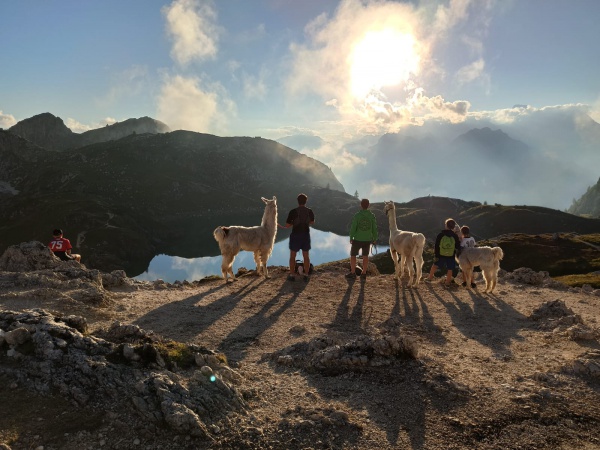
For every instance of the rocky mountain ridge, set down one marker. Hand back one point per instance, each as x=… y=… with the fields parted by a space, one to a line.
x=50 y=132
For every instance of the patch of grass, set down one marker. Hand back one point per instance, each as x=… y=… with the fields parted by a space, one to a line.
x=591 y=238
x=579 y=280
x=176 y=352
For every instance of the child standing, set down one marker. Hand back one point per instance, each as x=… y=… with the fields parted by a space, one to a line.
x=466 y=241
x=447 y=244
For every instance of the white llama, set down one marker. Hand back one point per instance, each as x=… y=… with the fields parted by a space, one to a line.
x=406 y=243
x=259 y=239
x=488 y=258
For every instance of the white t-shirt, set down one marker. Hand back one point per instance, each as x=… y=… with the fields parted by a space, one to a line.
x=467 y=242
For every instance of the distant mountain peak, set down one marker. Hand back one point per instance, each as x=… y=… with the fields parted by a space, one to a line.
x=50 y=132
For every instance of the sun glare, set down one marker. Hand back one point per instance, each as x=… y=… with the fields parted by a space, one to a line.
x=382 y=58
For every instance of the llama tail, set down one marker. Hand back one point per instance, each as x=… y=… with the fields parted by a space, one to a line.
x=498 y=253
x=219 y=234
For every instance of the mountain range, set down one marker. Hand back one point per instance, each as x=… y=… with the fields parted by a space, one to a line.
x=544 y=157
x=132 y=190
x=122 y=201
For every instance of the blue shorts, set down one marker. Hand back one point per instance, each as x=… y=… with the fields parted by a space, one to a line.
x=300 y=241
x=446 y=261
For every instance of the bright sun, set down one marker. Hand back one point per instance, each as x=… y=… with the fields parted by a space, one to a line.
x=382 y=58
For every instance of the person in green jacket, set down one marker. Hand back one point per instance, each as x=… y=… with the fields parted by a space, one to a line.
x=363 y=233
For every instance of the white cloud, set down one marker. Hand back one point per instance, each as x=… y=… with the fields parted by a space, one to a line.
x=340 y=160
x=128 y=83
x=322 y=64
x=186 y=103
x=471 y=72
x=78 y=127
x=595 y=110
x=191 y=24
x=7 y=120
x=255 y=87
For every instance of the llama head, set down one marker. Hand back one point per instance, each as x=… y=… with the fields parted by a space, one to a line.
x=268 y=202
x=389 y=206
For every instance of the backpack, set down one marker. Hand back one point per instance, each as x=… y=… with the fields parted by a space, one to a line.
x=447 y=245
x=300 y=267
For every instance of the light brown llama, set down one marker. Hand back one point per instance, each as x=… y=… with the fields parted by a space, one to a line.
x=259 y=239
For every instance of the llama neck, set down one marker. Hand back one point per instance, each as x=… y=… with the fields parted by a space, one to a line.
x=392 y=219
x=269 y=219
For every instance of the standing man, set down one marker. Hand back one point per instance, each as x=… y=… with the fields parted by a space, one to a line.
x=363 y=233
x=62 y=247
x=300 y=219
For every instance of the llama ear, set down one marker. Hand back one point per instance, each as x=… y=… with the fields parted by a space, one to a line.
x=274 y=198
x=263 y=199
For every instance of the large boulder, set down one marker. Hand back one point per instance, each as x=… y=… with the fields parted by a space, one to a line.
x=28 y=256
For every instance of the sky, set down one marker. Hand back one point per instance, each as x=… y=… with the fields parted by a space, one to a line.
x=338 y=69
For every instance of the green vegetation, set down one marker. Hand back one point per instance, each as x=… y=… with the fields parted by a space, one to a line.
x=176 y=352
x=593 y=279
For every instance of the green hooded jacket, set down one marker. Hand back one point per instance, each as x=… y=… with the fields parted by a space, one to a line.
x=364 y=227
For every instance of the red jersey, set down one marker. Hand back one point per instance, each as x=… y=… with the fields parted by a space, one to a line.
x=60 y=245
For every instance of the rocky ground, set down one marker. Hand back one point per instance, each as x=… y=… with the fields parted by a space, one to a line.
x=92 y=360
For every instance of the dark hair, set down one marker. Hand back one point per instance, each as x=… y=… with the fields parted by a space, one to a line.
x=450 y=224
x=57 y=232
x=364 y=203
x=465 y=230
x=302 y=198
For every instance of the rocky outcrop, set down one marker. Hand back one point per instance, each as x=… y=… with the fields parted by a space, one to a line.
x=30 y=269
x=126 y=370
x=45 y=130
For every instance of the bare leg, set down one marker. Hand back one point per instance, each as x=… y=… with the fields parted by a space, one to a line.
x=306 y=259
x=432 y=272
x=365 y=260
x=353 y=264
x=292 y=263
x=448 y=277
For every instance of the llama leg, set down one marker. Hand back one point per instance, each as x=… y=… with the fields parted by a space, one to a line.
x=405 y=266
x=394 y=254
x=486 y=277
x=226 y=266
x=257 y=260
x=264 y=257
x=419 y=267
x=411 y=272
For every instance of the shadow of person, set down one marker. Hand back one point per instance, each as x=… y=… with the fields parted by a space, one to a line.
x=248 y=332
x=191 y=316
x=495 y=326
x=346 y=320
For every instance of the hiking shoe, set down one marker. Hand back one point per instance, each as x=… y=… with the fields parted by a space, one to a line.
x=464 y=284
x=305 y=277
x=428 y=280
x=473 y=285
x=291 y=278
x=363 y=276
x=351 y=275
x=450 y=285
